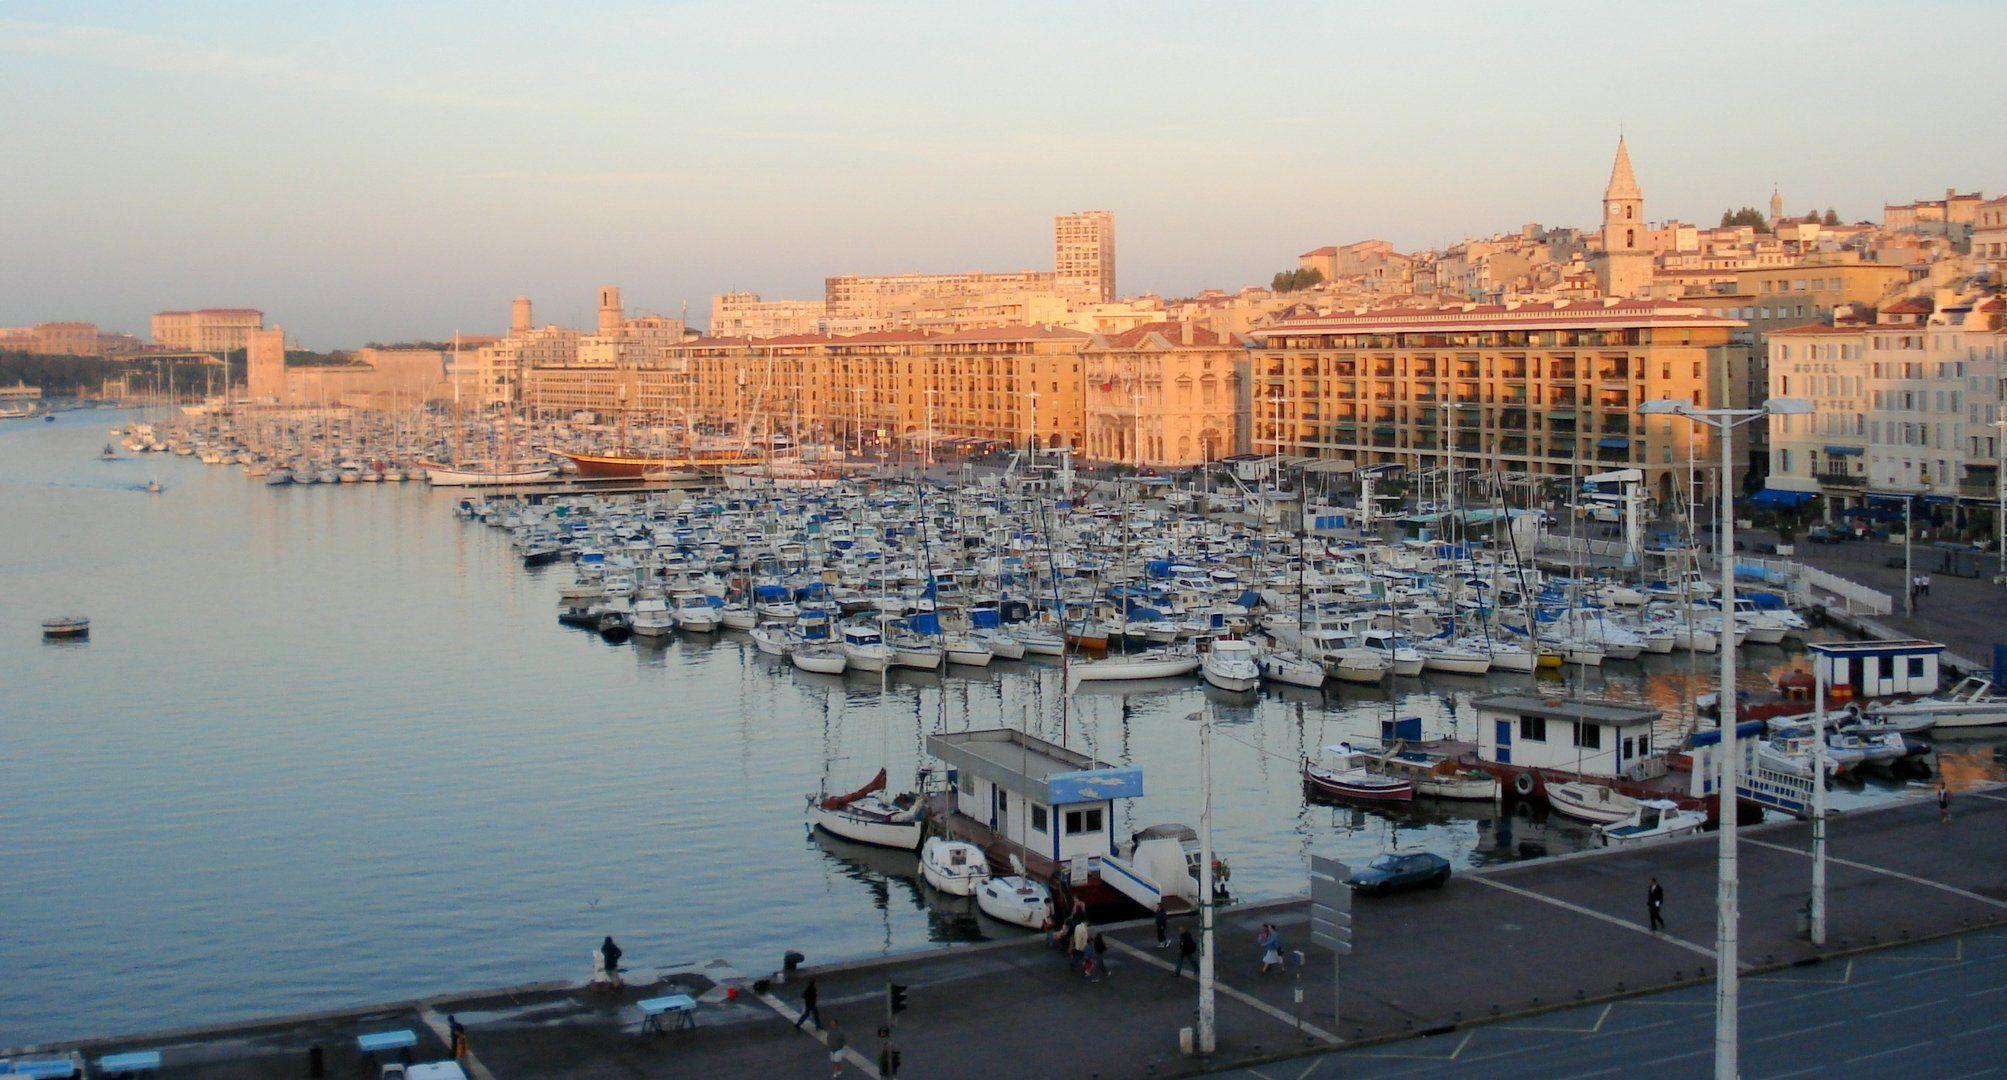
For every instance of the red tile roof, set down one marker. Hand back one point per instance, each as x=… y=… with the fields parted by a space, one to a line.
x=1173 y=334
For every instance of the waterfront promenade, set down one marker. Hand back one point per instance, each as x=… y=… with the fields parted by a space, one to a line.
x=1506 y=942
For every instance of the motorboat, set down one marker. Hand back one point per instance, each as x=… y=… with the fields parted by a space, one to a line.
x=867 y=816
x=1344 y=775
x=1160 y=867
x=66 y=626
x=651 y=616
x=1652 y=821
x=1357 y=664
x=1974 y=702
x=1594 y=803
x=695 y=614
x=1015 y=898
x=916 y=651
x=1438 y=777
x=822 y=659
x=864 y=648
x=1453 y=657
x=1230 y=665
x=1002 y=644
x=738 y=617
x=615 y=626
x=1039 y=642
x=1290 y=668
x=968 y=650
x=1407 y=661
x=773 y=639
x=955 y=867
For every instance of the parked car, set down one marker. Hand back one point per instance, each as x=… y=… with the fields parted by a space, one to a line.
x=1828 y=534
x=1396 y=871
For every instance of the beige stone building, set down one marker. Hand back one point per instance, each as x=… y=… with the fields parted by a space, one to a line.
x=744 y=314
x=1542 y=389
x=1163 y=394
x=207 y=329
x=264 y=362
x=1083 y=256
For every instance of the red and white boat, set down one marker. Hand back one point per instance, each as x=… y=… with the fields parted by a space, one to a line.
x=1345 y=776
x=868 y=817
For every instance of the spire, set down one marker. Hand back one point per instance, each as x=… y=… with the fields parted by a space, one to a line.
x=1623 y=183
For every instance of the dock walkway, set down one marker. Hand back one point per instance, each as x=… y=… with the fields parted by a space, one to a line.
x=1507 y=941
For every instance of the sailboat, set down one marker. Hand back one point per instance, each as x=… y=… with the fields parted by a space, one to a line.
x=868 y=817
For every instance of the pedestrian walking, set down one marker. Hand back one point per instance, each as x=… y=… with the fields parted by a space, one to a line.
x=1188 y=953
x=1269 y=942
x=836 y=1043
x=1943 y=803
x=1100 y=957
x=1655 y=902
x=1077 y=952
x=1163 y=927
x=1925 y=579
x=809 y=997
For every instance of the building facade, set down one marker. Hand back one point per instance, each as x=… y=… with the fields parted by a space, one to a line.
x=1624 y=268
x=207 y=329
x=1083 y=256
x=1163 y=395
x=1548 y=390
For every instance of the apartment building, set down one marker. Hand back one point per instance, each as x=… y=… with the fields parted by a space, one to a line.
x=1548 y=389
x=1083 y=256
x=1905 y=405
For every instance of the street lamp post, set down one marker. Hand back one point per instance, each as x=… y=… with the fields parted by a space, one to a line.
x=1727 y=788
x=2000 y=486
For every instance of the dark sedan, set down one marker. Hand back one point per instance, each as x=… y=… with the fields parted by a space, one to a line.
x=1395 y=871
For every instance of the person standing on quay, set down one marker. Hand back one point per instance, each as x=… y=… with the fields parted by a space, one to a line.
x=1077 y=950
x=456 y=1037
x=1943 y=803
x=610 y=954
x=1163 y=927
x=809 y=996
x=1188 y=953
x=1655 y=902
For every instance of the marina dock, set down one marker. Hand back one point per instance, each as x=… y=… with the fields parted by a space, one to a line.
x=1498 y=943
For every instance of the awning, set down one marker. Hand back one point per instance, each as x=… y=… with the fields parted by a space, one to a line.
x=1384 y=429
x=1779 y=497
x=1613 y=442
x=1561 y=414
x=1843 y=450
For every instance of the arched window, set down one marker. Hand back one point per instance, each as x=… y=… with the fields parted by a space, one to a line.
x=1630 y=238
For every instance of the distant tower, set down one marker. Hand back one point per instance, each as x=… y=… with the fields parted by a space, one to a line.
x=265 y=363
x=1625 y=268
x=611 y=317
x=519 y=316
x=1776 y=205
x=1083 y=255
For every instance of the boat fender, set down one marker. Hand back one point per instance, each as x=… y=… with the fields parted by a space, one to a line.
x=1523 y=783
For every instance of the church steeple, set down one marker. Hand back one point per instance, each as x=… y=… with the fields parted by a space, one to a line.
x=1776 y=205
x=1623 y=182
x=1625 y=267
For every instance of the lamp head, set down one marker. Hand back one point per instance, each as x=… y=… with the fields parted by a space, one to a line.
x=1787 y=406
x=1664 y=407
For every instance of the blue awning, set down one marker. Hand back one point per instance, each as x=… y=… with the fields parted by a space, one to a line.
x=1613 y=442
x=1842 y=450
x=1779 y=497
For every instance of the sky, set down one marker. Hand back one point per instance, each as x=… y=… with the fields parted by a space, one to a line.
x=394 y=171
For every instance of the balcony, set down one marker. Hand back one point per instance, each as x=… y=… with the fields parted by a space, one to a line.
x=1840 y=480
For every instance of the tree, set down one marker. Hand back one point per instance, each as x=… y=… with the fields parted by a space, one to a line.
x=1749 y=216
x=1302 y=277
x=1832 y=218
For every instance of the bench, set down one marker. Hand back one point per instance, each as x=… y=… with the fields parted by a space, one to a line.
x=682 y=1007
x=377 y=1042
x=60 y=1068
x=132 y=1063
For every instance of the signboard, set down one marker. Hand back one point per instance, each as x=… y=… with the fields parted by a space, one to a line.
x=1330 y=905
x=1093 y=785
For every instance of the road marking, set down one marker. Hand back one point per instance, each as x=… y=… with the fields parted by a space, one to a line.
x=1988 y=990
x=857 y=1060
x=1245 y=999
x=1904 y=1009
x=1912 y=878
x=1592 y=913
x=1890 y=1050
x=1800 y=1031
x=1597 y=1026
x=445 y=1032
x=1846 y=976
x=1957 y=953
x=1983 y=795
x=1451 y=1056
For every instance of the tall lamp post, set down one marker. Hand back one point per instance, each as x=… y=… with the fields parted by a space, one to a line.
x=2000 y=490
x=1727 y=915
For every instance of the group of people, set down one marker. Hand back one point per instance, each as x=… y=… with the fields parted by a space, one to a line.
x=1919 y=587
x=1086 y=948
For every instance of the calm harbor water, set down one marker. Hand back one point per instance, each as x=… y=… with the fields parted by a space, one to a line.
x=329 y=745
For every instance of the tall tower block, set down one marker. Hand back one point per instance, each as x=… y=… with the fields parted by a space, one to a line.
x=1083 y=255
x=1625 y=268
x=611 y=317
x=520 y=319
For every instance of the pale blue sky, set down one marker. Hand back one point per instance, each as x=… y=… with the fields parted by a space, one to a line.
x=375 y=170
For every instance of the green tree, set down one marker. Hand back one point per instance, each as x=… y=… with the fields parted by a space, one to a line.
x=1832 y=218
x=1302 y=277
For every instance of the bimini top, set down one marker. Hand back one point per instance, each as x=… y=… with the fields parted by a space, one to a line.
x=1030 y=766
